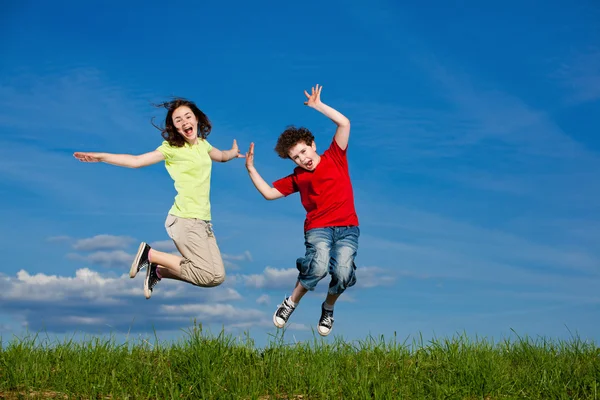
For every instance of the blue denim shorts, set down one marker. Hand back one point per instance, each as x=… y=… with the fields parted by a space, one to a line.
x=329 y=250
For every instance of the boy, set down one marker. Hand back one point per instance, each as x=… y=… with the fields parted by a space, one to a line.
x=331 y=229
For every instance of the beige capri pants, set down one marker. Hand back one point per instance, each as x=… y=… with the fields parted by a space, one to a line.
x=202 y=264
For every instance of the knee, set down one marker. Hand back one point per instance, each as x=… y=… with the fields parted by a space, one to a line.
x=217 y=280
x=344 y=273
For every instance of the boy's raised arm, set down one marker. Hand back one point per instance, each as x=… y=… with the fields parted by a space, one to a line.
x=342 y=134
x=268 y=192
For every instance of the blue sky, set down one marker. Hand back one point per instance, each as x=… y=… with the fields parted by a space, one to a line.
x=474 y=154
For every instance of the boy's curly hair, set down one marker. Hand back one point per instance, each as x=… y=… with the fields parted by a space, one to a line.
x=169 y=132
x=290 y=137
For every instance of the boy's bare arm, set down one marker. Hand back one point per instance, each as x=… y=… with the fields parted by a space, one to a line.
x=342 y=134
x=268 y=192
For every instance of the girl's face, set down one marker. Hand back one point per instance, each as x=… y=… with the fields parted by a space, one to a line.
x=186 y=124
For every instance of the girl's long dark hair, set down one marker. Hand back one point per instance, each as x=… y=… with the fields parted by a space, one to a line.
x=169 y=132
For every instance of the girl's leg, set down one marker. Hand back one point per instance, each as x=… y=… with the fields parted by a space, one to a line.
x=201 y=264
x=169 y=265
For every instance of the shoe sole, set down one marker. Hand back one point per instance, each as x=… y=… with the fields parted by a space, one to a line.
x=324 y=334
x=275 y=322
x=136 y=261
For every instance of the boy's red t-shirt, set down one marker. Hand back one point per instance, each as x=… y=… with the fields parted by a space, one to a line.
x=326 y=193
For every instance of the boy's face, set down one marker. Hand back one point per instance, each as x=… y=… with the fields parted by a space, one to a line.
x=305 y=156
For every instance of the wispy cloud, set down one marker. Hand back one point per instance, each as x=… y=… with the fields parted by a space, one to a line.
x=274 y=278
x=455 y=248
x=270 y=278
x=482 y=138
x=107 y=259
x=246 y=256
x=103 y=242
x=263 y=299
x=370 y=277
x=95 y=105
x=581 y=76
x=220 y=313
x=166 y=246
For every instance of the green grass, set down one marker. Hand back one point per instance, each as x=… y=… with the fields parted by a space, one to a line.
x=206 y=366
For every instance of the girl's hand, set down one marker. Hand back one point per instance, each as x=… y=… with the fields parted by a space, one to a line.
x=88 y=157
x=235 y=150
x=314 y=99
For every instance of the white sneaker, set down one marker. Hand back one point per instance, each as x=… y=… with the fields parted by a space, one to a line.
x=282 y=314
x=325 y=322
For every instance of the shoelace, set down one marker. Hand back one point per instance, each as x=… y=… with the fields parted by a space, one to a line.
x=154 y=279
x=145 y=264
x=286 y=310
x=326 y=319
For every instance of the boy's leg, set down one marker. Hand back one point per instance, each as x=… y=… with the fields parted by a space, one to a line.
x=341 y=268
x=298 y=293
x=331 y=298
x=312 y=268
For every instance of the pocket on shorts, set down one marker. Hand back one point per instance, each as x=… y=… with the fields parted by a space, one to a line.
x=169 y=223
x=303 y=264
x=209 y=229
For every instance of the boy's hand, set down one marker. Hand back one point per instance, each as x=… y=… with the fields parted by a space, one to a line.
x=250 y=157
x=314 y=99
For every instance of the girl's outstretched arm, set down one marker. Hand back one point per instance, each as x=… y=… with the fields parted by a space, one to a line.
x=342 y=134
x=122 y=160
x=268 y=192
x=225 y=155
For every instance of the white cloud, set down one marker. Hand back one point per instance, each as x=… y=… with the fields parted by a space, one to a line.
x=370 y=277
x=347 y=298
x=86 y=284
x=103 y=242
x=211 y=310
x=294 y=326
x=271 y=278
x=246 y=256
x=263 y=299
x=189 y=292
x=166 y=246
x=228 y=260
x=84 y=320
x=90 y=301
x=108 y=259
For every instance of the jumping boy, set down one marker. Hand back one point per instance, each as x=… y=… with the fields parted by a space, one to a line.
x=331 y=229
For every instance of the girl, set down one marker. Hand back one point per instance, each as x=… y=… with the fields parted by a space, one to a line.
x=188 y=158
